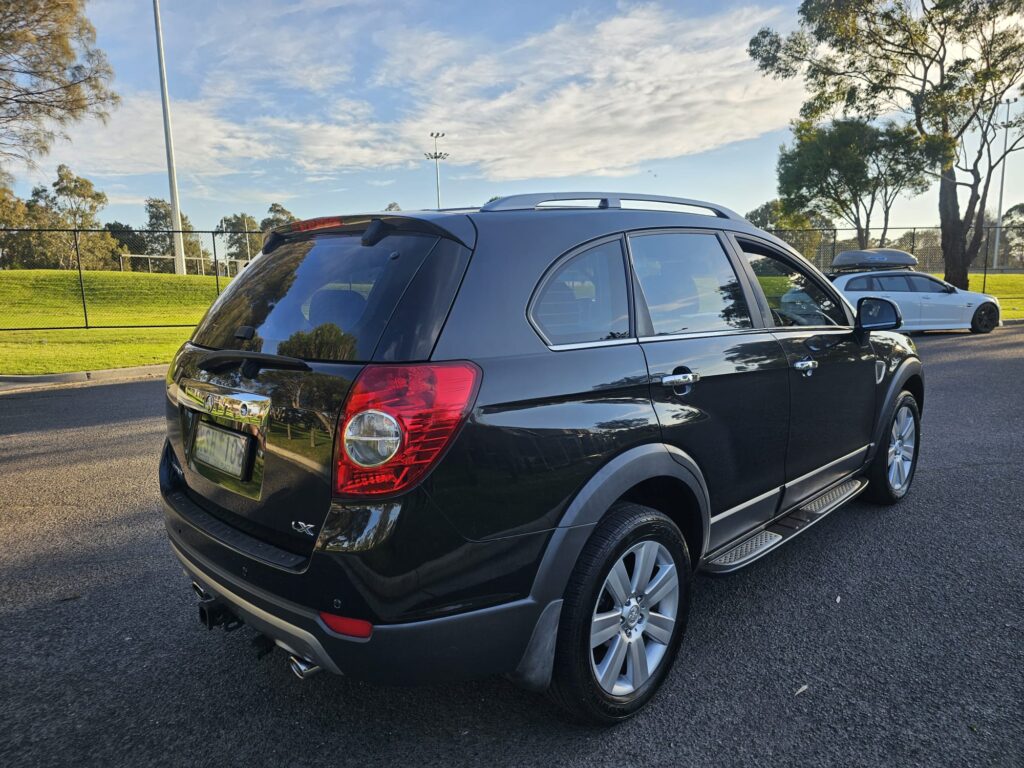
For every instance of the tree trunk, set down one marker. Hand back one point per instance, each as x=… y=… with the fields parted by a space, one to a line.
x=953 y=250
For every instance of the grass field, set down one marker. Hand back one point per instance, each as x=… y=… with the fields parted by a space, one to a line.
x=33 y=298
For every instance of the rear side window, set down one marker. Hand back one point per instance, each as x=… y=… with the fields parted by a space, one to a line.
x=688 y=283
x=897 y=283
x=585 y=299
x=861 y=284
x=326 y=297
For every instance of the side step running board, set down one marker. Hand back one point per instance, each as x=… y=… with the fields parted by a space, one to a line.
x=784 y=528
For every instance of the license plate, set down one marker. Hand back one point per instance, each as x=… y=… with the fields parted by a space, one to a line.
x=221 y=449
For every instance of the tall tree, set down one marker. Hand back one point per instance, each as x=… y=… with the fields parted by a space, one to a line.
x=277 y=215
x=60 y=221
x=393 y=207
x=946 y=64
x=853 y=170
x=51 y=74
x=159 y=239
x=243 y=236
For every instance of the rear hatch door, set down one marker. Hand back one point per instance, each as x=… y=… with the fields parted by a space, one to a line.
x=254 y=397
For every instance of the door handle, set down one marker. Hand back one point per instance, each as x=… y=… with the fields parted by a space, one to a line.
x=676 y=380
x=806 y=367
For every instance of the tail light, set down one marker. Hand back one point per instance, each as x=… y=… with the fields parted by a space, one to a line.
x=397 y=421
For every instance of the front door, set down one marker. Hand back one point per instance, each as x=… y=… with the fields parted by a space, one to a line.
x=719 y=382
x=939 y=306
x=831 y=373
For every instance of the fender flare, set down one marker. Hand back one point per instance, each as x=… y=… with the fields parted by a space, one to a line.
x=608 y=484
x=909 y=367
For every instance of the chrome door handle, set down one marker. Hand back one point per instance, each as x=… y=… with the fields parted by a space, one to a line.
x=806 y=367
x=680 y=379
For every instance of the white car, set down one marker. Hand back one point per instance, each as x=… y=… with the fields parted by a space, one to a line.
x=927 y=303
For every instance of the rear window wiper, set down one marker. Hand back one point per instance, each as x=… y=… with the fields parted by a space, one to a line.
x=252 y=362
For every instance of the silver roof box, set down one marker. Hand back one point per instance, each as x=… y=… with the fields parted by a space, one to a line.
x=873 y=258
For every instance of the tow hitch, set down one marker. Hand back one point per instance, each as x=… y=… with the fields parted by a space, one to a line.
x=213 y=613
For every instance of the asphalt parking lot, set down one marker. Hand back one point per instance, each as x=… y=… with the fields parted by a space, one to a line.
x=906 y=625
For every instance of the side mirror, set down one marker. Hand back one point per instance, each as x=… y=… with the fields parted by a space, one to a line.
x=875 y=314
x=950 y=289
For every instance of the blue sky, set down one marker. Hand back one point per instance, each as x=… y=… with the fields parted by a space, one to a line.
x=326 y=105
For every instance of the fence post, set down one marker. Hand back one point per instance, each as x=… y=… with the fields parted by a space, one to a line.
x=984 y=278
x=216 y=267
x=81 y=281
x=913 y=241
x=834 y=231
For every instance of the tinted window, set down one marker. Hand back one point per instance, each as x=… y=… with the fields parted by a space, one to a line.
x=688 y=283
x=795 y=297
x=893 y=283
x=861 y=284
x=319 y=298
x=585 y=299
x=922 y=284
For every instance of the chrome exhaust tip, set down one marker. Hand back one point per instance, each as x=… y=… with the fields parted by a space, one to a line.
x=302 y=668
x=201 y=593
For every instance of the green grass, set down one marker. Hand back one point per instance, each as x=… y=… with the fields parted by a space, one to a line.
x=34 y=298
x=51 y=297
x=23 y=352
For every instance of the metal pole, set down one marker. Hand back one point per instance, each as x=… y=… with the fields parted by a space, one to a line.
x=81 y=281
x=1002 y=181
x=179 y=244
x=216 y=267
x=437 y=157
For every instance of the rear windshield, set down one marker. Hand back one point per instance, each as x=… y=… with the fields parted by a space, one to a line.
x=325 y=297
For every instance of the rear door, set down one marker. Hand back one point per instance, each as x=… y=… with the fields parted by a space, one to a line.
x=256 y=444
x=719 y=382
x=831 y=373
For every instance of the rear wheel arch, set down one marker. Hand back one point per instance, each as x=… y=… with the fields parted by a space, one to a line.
x=677 y=501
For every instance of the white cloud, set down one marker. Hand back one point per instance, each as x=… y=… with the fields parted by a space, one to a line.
x=589 y=96
x=583 y=98
x=132 y=141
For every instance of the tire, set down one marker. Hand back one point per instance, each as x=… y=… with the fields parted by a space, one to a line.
x=887 y=483
x=629 y=535
x=986 y=318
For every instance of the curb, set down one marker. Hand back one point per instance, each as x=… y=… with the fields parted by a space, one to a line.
x=1014 y=321
x=58 y=380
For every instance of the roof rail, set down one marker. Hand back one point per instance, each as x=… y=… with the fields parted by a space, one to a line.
x=603 y=199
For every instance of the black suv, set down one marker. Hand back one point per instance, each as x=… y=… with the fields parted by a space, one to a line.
x=447 y=444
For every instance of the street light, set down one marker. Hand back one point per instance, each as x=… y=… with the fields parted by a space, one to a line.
x=437 y=157
x=1002 y=181
x=179 y=244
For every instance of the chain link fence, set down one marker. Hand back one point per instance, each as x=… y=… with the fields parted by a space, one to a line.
x=821 y=246
x=117 y=278
x=107 y=278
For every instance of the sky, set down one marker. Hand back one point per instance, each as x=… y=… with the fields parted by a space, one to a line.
x=327 y=106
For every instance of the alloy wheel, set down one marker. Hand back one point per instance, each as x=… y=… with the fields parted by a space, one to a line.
x=634 y=618
x=902 y=447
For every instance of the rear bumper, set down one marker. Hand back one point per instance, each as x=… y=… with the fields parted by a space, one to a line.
x=469 y=645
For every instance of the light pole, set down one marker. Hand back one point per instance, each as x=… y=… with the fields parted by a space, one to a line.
x=1002 y=181
x=179 y=245
x=437 y=157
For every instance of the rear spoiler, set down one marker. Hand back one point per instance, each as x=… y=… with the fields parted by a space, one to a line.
x=375 y=227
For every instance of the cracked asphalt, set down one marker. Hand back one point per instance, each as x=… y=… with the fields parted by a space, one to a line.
x=880 y=637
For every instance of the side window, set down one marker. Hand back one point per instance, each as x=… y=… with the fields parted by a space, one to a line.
x=585 y=299
x=893 y=283
x=795 y=298
x=688 y=283
x=858 y=284
x=922 y=284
